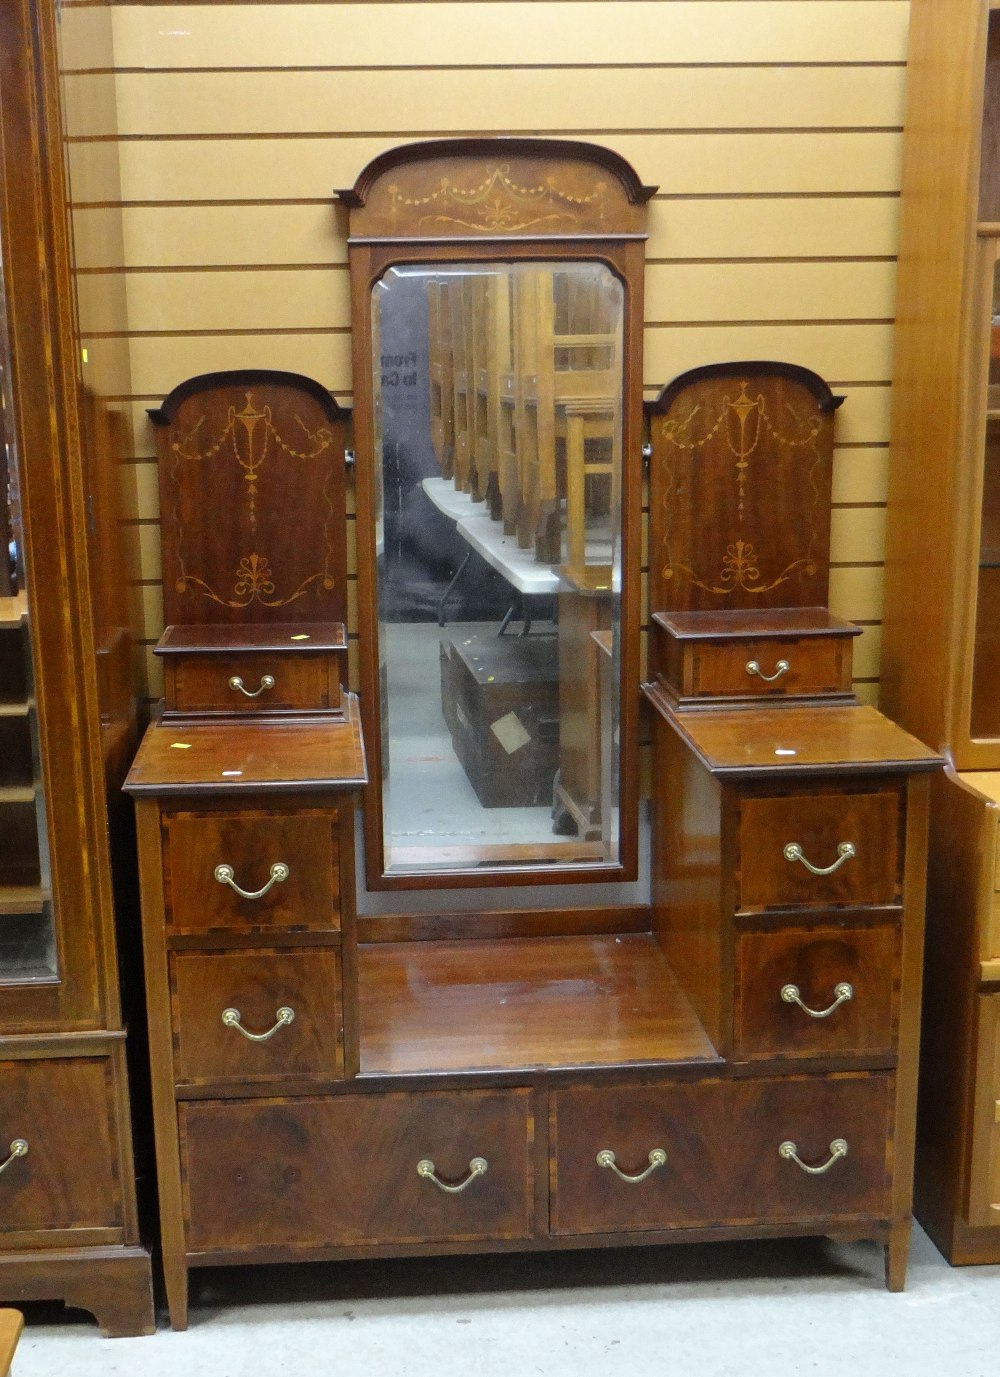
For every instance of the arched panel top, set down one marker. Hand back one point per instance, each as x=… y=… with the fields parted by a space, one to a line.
x=825 y=399
x=236 y=378
x=489 y=188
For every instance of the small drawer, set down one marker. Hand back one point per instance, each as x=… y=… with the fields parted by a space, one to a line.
x=321 y=1172
x=250 y=1015
x=820 y=991
x=57 y=1145
x=777 y=669
x=819 y=850
x=710 y=1153
x=246 y=682
x=285 y=864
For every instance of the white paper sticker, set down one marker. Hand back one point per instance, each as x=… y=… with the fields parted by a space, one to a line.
x=510 y=732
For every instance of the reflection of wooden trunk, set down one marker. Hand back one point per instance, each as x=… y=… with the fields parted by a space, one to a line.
x=580 y=717
x=500 y=698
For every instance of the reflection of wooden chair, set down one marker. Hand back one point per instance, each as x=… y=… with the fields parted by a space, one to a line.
x=493 y=367
x=440 y=370
x=587 y=350
x=460 y=386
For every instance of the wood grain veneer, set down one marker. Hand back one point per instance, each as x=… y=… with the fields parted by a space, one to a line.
x=541 y=1001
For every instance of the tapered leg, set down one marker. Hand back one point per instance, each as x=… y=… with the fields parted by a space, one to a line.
x=897 y=1253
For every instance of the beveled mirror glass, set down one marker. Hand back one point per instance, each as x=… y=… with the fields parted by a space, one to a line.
x=498 y=393
x=497 y=300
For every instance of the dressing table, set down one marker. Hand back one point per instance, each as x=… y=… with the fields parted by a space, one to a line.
x=736 y=1059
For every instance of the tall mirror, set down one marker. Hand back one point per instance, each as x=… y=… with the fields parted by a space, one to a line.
x=497 y=297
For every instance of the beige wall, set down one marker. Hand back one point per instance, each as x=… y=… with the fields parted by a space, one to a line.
x=772 y=128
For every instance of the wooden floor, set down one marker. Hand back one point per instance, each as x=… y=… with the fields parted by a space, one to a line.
x=523 y=1002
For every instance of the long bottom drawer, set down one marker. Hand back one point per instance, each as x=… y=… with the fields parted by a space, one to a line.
x=711 y=1152
x=318 y=1172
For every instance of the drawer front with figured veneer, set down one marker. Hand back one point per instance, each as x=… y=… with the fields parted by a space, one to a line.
x=351 y=1169
x=263 y=869
x=776 y=668
x=818 y=991
x=244 y=683
x=249 y=1015
x=819 y=850
x=720 y=1153
x=59 y=1168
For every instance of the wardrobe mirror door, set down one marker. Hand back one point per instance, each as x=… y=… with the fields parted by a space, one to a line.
x=27 y=932
x=497 y=390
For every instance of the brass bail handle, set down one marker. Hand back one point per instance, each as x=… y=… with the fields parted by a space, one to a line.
x=657 y=1158
x=843 y=992
x=18 y=1148
x=845 y=850
x=237 y=685
x=231 y=1019
x=477 y=1167
x=790 y=1152
x=225 y=874
x=780 y=668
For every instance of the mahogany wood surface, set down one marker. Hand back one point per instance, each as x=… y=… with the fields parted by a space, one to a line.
x=256 y=984
x=303 y=637
x=252 y=506
x=825 y=740
x=567 y=922
x=251 y=842
x=752 y=443
x=313 y=1171
x=714 y=670
x=213 y=758
x=541 y=1001
x=721 y=1140
x=75 y=1204
x=300 y=683
x=460 y=188
x=112 y=1282
x=688 y=873
x=69 y=1179
x=816 y=960
x=820 y=822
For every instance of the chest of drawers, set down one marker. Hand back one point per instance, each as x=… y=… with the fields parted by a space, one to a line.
x=741 y=1066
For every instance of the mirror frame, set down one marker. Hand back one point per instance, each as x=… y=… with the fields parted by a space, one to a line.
x=549 y=201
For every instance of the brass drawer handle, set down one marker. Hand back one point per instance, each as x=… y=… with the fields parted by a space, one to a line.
x=845 y=850
x=18 y=1148
x=657 y=1158
x=843 y=991
x=225 y=873
x=231 y=1018
x=790 y=1152
x=753 y=667
x=477 y=1167
x=266 y=682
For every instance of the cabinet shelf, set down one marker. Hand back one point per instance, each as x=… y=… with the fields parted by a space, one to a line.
x=599 y=1000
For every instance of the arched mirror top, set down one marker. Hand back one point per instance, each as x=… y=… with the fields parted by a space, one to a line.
x=497 y=188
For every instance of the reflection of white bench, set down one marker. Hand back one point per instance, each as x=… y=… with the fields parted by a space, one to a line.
x=502 y=552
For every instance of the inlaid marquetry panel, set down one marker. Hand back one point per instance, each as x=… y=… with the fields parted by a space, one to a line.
x=740 y=482
x=252 y=500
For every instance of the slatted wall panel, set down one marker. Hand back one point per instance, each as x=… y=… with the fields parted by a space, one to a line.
x=773 y=128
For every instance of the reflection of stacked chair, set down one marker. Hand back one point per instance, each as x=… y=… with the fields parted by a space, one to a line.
x=525 y=401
